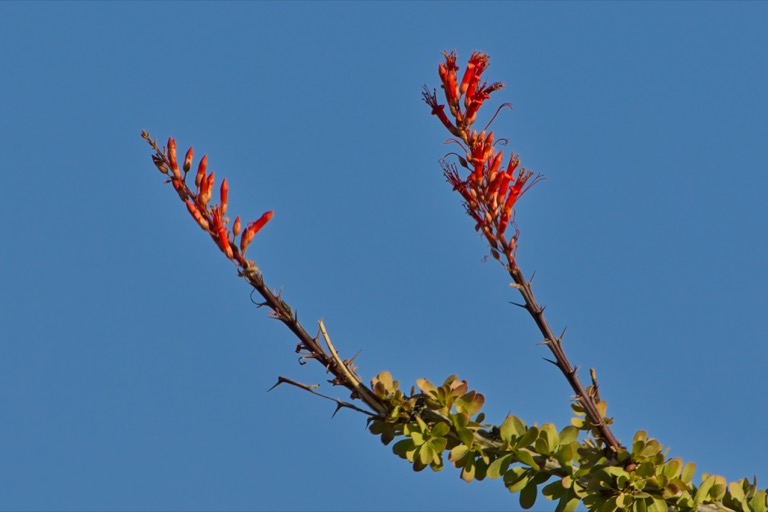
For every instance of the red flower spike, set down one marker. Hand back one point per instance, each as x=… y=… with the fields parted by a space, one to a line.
x=188 y=159
x=236 y=227
x=224 y=194
x=172 y=157
x=201 y=170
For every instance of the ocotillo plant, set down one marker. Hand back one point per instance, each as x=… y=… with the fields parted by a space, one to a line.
x=581 y=463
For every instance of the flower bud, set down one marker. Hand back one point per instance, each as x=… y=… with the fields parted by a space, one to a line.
x=188 y=159
x=224 y=193
x=201 y=170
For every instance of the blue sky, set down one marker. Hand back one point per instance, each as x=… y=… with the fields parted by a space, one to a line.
x=133 y=367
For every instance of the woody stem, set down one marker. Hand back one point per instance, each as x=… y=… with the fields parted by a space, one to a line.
x=554 y=343
x=285 y=314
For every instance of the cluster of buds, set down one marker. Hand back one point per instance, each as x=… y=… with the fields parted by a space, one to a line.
x=210 y=217
x=490 y=190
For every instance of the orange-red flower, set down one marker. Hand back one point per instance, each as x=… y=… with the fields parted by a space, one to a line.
x=254 y=228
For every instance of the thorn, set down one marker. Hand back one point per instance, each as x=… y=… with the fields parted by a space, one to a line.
x=562 y=333
x=339 y=407
x=280 y=380
x=302 y=361
x=541 y=309
x=533 y=276
x=518 y=305
x=551 y=361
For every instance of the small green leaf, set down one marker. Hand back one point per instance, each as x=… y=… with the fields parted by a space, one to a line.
x=458 y=452
x=516 y=478
x=426 y=387
x=402 y=447
x=426 y=454
x=759 y=502
x=466 y=436
x=468 y=473
x=704 y=488
x=528 y=438
x=672 y=468
x=440 y=430
x=567 y=504
x=528 y=496
x=525 y=457
x=568 y=435
x=688 y=471
x=512 y=427
x=499 y=466
x=438 y=444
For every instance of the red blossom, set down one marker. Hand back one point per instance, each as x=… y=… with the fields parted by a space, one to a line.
x=254 y=228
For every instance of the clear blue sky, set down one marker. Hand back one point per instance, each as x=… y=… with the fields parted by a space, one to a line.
x=133 y=367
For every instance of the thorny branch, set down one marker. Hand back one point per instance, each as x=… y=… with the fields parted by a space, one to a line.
x=212 y=220
x=490 y=192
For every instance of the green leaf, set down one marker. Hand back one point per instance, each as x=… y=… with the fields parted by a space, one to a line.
x=672 y=468
x=426 y=454
x=528 y=496
x=512 y=427
x=568 y=435
x=466 y=436
x=758 y=502
x=438 y=444
x=659 y=505
x=554 y=490
x=499 y=466
x=525 y=457
x=516 y=478
x=737 y=492
x=426 y=387
x=402 y=447
x=567 y=504
x=458 y=452
x=528 y=437
x=704 y=488
x=440 y=430
x=688 y=471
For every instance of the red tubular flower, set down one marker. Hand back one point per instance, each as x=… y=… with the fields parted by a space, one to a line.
x=201 y=170
x=188 y=159
x=447 y=73
x=430 y=98
x=254 y=228
x=478 y=61
x=206 y=188
x=224 y=194
x=220 y=231
x=197 y=215
x=172 y=157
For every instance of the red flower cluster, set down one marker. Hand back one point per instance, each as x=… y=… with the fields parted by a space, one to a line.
x=489 y=191
x=209 y=217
